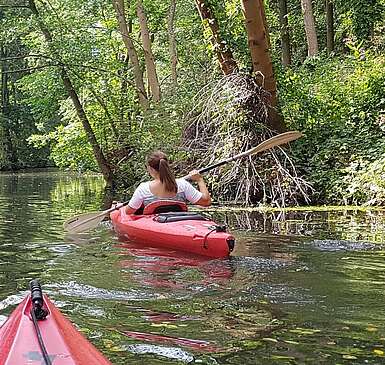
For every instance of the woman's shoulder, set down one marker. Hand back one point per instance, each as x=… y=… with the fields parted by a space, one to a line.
x=182 y=183
x=144 y=186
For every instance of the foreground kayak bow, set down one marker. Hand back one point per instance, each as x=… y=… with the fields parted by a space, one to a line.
x=36 y=333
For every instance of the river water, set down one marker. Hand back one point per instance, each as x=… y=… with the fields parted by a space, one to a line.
x=302 y=287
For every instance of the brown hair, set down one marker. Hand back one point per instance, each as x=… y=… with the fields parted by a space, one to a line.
x=159 y=162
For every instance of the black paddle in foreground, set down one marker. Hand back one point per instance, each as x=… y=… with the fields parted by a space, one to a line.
x=87 y=221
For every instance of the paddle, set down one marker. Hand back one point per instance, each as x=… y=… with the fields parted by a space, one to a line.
x=84 y=222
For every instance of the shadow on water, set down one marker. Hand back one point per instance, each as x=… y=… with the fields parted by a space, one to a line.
x=301 y=287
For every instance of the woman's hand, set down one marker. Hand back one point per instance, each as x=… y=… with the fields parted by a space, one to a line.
x=205 y=200
x=194 y=175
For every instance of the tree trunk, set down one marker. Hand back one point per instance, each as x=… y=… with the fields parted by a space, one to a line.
x=123 y=93
x=10 y=152
x=329 y=26
x=98 y=153
x=310 y=30
x=172 y=43
x=285 y=39
x=265 y=25
x=258 y=41
x=106 y=112
x=101 y=102
x=259 y=45
x=224 y=54
x=148 y=55
x=132 y=54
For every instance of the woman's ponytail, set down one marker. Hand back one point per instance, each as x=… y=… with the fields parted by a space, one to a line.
x=166 y=176
x=158 y=161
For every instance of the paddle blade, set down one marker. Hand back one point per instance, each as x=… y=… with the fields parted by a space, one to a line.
x=270 y=143
x=84 y=222
x=276 y=141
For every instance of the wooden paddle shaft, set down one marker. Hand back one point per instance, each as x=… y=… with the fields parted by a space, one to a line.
x=213 y=166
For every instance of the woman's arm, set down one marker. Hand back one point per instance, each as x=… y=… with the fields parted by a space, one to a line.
x=130 y=210
x=205 y=200
x=136 y=200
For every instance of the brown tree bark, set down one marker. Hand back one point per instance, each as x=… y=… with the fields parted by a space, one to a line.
x=258 y=41
x=101 y=102
x=329 y=25
x=259 y=45
x=106 y=112
x=4 y=81
x=285 y=38
x=148 y=55
x=310 y=29
x=132 y=54
x=98 y=153
x=172 y=43
x=9 y=151
x=224 y=54
x=123 y=93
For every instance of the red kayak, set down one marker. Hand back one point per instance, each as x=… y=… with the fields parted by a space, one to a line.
x=37 y=333
x=176 y=229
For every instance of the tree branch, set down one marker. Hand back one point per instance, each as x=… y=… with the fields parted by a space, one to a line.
x=14 y=6
x=28 y=69
x=18 y=57
x=93 y=68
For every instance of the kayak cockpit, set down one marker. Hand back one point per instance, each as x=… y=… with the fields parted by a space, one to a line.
x=164 y=206
x=169 y=217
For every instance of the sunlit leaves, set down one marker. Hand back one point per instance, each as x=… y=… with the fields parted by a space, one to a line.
x=379 y=352
x=338 y=106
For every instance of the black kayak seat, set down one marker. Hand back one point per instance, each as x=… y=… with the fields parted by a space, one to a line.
x=179 y=216
x=160 y=205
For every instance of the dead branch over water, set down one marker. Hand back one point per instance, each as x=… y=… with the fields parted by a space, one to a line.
x=229 y=117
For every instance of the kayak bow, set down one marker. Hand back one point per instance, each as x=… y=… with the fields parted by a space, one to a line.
x=37 y=333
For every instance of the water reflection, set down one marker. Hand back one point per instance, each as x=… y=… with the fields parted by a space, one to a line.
x=350 y=224
x=171 y=269
x=184 y=342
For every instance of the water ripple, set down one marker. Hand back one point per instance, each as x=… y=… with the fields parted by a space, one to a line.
x=12 y=300
x=342 y=245
x=259 y=264
x=173 y=353
x=87 y=291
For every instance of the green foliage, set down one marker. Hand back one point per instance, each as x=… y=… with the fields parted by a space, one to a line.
x=159 y=128
x=361 y=16
x=365 y=181
x=230 y=18
x=69 y=147
x=355 y=21
x=16 y=120
x=87 y=41
x=338 y=103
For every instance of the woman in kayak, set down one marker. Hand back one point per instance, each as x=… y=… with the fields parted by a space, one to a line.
x=165 y=186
